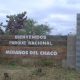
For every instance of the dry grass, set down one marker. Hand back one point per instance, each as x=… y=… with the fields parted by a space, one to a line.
x=30 y=69
x=32 y=73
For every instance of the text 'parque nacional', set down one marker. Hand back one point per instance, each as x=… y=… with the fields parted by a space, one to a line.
x=30 y=43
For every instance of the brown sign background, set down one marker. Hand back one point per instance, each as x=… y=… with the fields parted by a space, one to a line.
x=59 y=45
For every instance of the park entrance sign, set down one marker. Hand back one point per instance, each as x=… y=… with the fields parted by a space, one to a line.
x=14 y=46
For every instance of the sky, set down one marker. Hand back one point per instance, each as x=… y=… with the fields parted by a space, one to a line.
x=60 y=15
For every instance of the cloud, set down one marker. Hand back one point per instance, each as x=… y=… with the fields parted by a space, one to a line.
x=60 y=14
x=30 y=5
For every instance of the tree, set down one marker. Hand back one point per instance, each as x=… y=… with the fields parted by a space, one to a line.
x=20 y=24
x=15 y=22
x=32 y=27
x=1 y=31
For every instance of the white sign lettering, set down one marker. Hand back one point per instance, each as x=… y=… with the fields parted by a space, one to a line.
x=30 y=43
x=19 y=52
x=30 y=37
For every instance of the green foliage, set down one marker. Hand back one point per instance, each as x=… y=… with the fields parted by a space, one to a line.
x=45 y=62
x=48 y=62
x=20 y=24
x=1 y=31
x=15 y=22
x=12 y=62
x=38 y=72
x=32 y=27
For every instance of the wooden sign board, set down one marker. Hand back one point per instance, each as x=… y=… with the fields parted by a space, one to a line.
x=33 y=46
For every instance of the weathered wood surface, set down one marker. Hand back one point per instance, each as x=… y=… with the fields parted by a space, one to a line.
x=33 y=37
x=60 y=50
x=31 y=43
x=59 y=45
